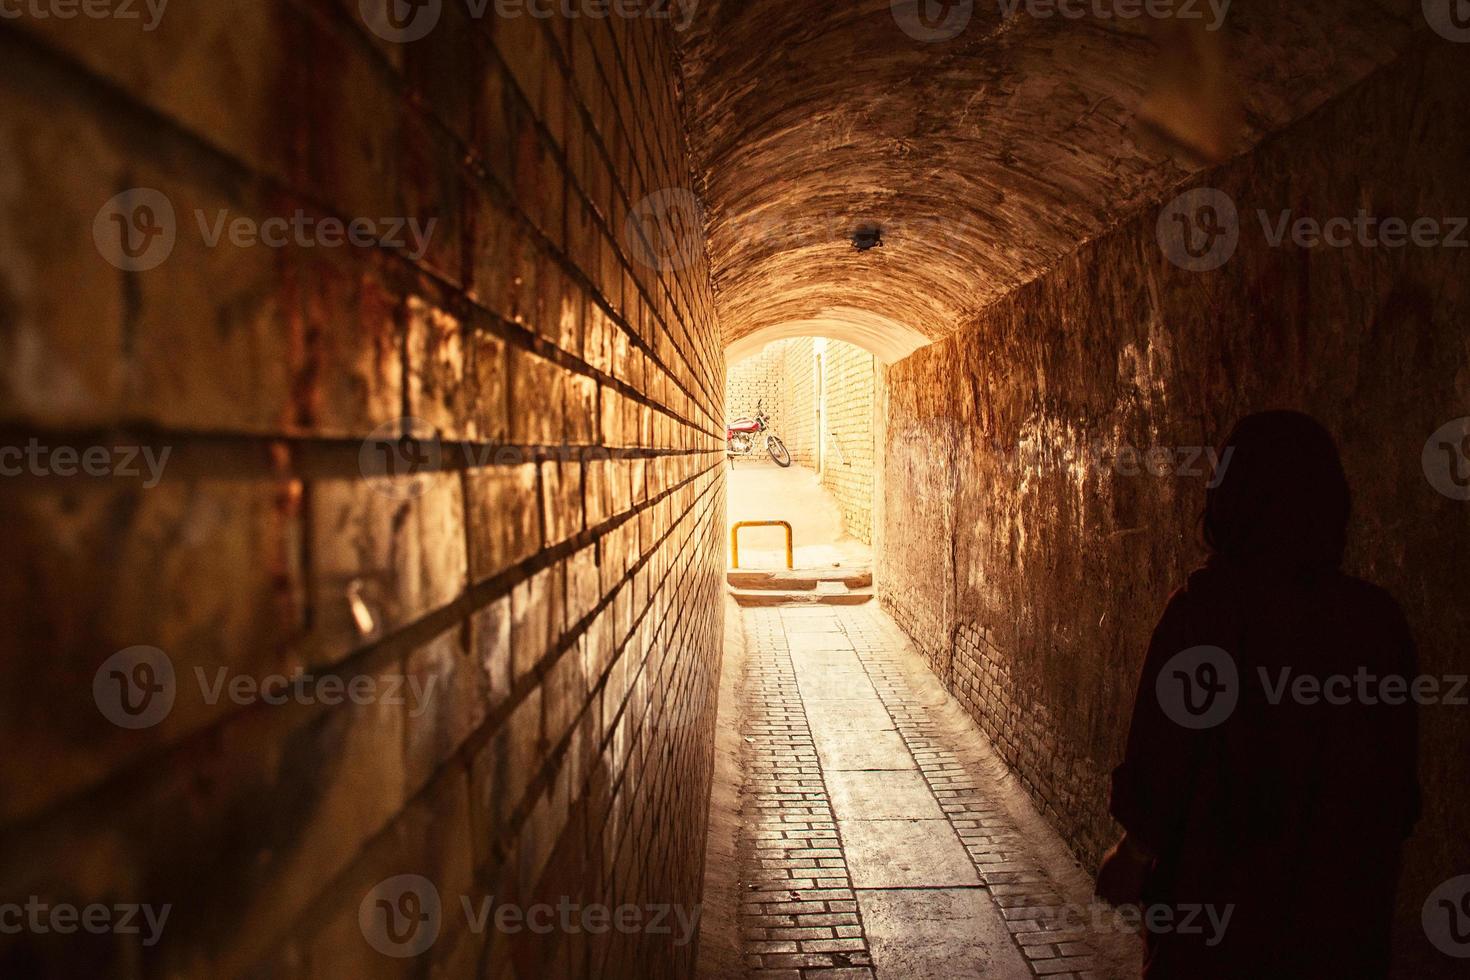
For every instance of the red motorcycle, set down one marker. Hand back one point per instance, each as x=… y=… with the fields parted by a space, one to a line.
x=745 y=434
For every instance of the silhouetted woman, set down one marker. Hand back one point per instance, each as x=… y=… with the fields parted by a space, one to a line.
x=1270 y=772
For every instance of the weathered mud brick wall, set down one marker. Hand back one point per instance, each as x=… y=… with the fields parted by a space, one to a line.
x=848 y=468
x=523 y=610
x=1039 y=557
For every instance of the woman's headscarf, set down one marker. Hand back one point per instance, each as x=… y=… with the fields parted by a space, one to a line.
x=1283 y=496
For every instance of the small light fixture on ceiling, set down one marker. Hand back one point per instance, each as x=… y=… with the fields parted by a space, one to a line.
x=867 y=237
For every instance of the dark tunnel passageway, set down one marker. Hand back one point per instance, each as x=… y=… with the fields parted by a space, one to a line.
x=367 y=380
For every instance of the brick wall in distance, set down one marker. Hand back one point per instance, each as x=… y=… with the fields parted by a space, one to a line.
x=783 y=374
x=561 y=607
x=847 y=471
x=758 y=381
x=798 y=382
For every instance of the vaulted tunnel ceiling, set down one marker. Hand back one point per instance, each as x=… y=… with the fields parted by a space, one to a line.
x=984 y=158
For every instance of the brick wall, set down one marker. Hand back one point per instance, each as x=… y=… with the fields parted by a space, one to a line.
x=1035 y=560
x=556 y=604
x=800 y=400
x=759 y=380
x=848 y=468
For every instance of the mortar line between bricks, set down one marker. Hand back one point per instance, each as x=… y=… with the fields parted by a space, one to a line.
x=918 y=888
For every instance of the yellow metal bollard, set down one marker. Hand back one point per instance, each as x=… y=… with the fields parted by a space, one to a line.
x=735 y=539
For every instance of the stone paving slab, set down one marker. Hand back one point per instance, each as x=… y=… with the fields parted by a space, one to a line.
x=810 y=619
x=835 y=685
x=889 y=795
x=820 y=661
x=850 y=716
x=839 y=750
x=810 y=639
x=938 y=934
x=905 y=854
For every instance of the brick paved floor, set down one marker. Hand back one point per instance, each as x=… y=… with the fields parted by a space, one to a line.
x=878 y=838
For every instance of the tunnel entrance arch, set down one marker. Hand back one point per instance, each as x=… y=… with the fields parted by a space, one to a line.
x=887 y=339
x=823 y=394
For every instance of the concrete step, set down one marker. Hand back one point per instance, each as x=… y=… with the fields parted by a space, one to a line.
x=800 y=580
x=811 y=597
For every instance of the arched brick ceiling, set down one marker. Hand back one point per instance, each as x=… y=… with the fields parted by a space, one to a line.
x=984 y=158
